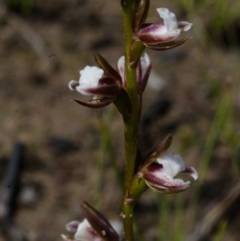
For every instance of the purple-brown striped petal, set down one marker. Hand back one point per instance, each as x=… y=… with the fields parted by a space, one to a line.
x=160 y=175
x=165 y=186
x=191 y=172
x=156 y=33
x=98 y=103
x=166 y=46
x=104 y=90
x=107 y=81
x=155 y=177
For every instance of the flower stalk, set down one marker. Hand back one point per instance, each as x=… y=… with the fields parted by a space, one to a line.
x=131 y=126
x=124 y=87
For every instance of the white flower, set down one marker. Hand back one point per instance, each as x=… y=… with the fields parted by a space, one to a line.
x=151 y=33
x=160 y=175
x=92 y=82
x=89 y=78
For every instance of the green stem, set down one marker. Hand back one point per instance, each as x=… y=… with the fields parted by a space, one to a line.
x=130 y=126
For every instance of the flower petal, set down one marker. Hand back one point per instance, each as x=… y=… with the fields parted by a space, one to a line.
x=156 y=33
x=121 y=69
x=145 y=63
x=108 y=81
x=96 y=103
x=72 y=226
x=191 y=171
x=85 y=232
x=73 y=84
x=160 y=168
x=103 y=90
x=172 y=164
x=83 y=89
x=169 y=18
x=145 y=70
x=184 y=26
x=153 y=35
x=90 y=76
x=162 y=184
x=167 y=45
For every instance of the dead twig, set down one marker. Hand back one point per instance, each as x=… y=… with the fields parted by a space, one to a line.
x=8 y=196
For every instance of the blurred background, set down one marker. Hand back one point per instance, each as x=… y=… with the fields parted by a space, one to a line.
x=56 y=153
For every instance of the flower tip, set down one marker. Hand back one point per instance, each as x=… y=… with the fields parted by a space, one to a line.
x=188 y=27
x=92 y=73
x=72 y=226
x=72 y=85
x=64 y=237
x=192 y=172
x=184 y=26
x=165 y=13
x=162 y=11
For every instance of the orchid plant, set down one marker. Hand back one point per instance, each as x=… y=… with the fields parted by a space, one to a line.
x=124 y=87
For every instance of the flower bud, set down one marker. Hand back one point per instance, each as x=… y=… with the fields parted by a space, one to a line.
x=142 y=71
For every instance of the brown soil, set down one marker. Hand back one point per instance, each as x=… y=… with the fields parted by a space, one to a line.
x=62 y=139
